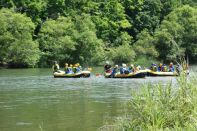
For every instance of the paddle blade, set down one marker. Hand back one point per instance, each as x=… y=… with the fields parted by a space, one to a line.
x=97 y=74
x=89 y=69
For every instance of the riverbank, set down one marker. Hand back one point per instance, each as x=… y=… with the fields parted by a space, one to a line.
x=161 y=107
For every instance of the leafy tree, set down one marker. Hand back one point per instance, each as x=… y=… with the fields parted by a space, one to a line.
x=6 y=4
x=145 y=45
x=89 y=49
x=110 y=20
x=66 y=29
x=32 y=8
x=143 y=14
x=16 y=45
x=122 y=54
x=70 y=40
x=177 y=34
x=56 y=41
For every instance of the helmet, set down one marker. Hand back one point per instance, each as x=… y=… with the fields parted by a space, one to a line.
x=132 y=65
x=66 y=64
x=124 y=65
x=107 y=62
x=116 y=66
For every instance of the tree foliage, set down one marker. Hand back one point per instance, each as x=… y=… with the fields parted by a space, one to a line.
x=177 y=34
x=87 y=31
x=122 y=54
x=70 y=40
x=55 y=40
x=16 y=45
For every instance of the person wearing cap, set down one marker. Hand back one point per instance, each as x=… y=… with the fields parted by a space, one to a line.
x=123 y=69
x=66 y=68
x=131 y=68
x=171 y=67
x=114 y=71
x=75 y=68
x=70 y=71
x=138 y=68
x=164 y=68
x=107 y=67
x=56 y=67
x=78 y=67
x=153 y=67
x=160 y=68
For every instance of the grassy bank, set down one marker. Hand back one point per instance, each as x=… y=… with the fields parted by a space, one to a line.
x=161 y=107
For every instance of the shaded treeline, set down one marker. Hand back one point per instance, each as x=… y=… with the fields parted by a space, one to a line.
x=37 y=32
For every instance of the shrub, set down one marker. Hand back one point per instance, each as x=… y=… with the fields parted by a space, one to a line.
x=162 y=107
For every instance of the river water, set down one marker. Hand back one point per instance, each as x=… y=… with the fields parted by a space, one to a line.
x=32 y=100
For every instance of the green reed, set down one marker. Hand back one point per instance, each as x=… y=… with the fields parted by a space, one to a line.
x=161 y=107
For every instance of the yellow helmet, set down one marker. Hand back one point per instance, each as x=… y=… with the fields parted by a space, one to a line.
x=71 y=65
x=66 y=64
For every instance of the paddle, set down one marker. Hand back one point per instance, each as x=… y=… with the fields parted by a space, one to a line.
x=97 y=74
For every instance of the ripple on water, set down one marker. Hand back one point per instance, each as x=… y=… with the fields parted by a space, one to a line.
x=36 y=98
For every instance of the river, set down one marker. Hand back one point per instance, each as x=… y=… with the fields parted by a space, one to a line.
x=32 y=100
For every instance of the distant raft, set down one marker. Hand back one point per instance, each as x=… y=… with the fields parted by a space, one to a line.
x=137 y=74
x=155 y=73
x=81 y=74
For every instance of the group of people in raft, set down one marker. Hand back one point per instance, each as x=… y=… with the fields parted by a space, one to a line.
x=124 y=69
x=69 y=69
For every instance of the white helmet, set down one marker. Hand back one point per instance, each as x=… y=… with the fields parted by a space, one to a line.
x=124 y=65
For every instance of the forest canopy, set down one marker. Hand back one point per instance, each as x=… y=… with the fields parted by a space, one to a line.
x=34 y=33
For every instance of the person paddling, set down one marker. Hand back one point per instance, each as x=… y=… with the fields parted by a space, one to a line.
x=131 y=68
x=160 y=67
x=171 y=67
x=153 y=67
x=66 y=68
x=164 y=68
x=55 y=67
x=114 y=71
x=107 y=67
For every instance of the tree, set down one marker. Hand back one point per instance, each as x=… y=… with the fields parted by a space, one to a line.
x=122 y=54
x=16 y=45
x=70 y=40
x=177 y=34
x=144 y=46
x=56 y=40
x=110 y=20
x=142 y=14
x=89 y=49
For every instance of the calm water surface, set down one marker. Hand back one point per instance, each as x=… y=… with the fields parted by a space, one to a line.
x=32 y=100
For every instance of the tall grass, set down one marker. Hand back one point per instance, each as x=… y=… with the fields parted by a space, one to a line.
x=161 y=107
